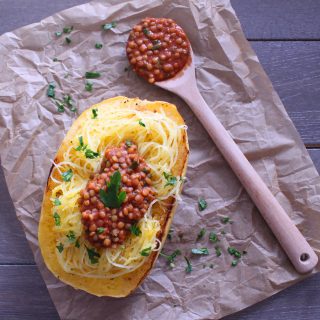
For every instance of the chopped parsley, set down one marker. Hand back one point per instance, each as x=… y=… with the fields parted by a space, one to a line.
x=57 y=219
x=170 y=258
x=202 y=204
x=89 y=87
x=93 y=255
x=98 y=45
x=135 y=230
x=112 y=198
x=81 y=146
x=100 y=230
x=94 y=113
x=67 y=175
x=170 y=234
x=67 y=29
x=58 y=34
x=156 y=45
x=57 y=202
x=128 y=143
x=201 y=234
x=200 y=251
x=171 y=180
x=234 y=252
x=70 y=103
x=225 y=220
x=146 y=252
x=91 y=154
x=71 y=236
x=60 y=105
x=60 y=247
x=218 y=251
x=146 y=31
x=51 y=90
x=142 y=123
x=77 y=244
x=234 y=263
x=109 y=26
x=92 y=75
x=213 y=237
x=189 y=265
x=68 y=40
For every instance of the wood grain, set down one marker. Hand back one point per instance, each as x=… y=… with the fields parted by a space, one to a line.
x=279 y=19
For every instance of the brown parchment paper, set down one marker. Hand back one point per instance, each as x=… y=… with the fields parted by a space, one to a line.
x=234 y=85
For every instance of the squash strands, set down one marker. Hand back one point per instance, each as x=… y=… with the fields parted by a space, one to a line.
x=160 y=134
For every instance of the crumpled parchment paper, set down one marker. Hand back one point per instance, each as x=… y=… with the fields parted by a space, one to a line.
x=234 y=85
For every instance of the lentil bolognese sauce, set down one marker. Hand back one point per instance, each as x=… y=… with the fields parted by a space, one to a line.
x=157 y=49
x=106 y=226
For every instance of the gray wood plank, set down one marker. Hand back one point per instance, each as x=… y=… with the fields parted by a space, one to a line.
x=279 y=19
x=23 y=295
x=294 y=70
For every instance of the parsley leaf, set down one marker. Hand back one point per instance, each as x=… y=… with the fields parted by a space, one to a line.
x=170 y=258
x=218 y=251
x=200 y=251
x=92 y=75
x=51 y=90
x=171 y=180
x=88 y=87
x=91 y=154
x=60 y=105
x=57 y=219
x=60 y=247
x=94 y=113
x=234 y=252
x=146 y=252
x=135 y=230
x=98 y=45
x=57 y=202
x=77 y=244
x=67 y=175
x=213 y=237
x=67 y=29
x=112 y=198
x=202 y=204
x=189 y=265
x=81 y=146
x=146 y=31
x=71 y=236
x=109 y=26
x=156 y=45
x=68 y=40
x=100 y=230
x=170 y=234
x=128 y=143
x=225 y=220
x=70 y=103
x=201 y=234
x=58 y=34
x=142 y=123
x=234 y=263
x=93 y=255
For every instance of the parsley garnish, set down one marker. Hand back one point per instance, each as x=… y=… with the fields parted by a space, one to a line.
x=170 y=234
x=225 y=220
x=68 y=40
x=189 y=265
x=218 y=251
x=51 y=90
x=156 y=45
x=57 y=202
x=81 y=146
x=112 y=198
x=128 y=143
x=98 y=45
x=60 y=105
x=92 y=75
x=171 y=180
x=94 y=113
x=234 y=263
x=58 y=34
x=141 y=123
x=91 y=154
x=146 y=252
x=234 y=252
x=77 y=244
x=202 y=204
x=71 y=236
x=100 y=230
x=201 y=234
x=109 y=26
x=70 y=103
x=67 y=175
x=60 y=247
x=213 y=237
x=135 y=230
x=146 y=31
x=67 y=29
x=57 y=219
x=170 y=258
x=200 y=251
x=93 y=255
x=89 y=86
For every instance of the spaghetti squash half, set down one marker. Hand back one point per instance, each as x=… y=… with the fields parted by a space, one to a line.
x=111 y=194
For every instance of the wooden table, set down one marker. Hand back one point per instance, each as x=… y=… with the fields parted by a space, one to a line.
x=286 y=37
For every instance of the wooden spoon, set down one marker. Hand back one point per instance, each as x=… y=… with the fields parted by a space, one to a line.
x=292 y=241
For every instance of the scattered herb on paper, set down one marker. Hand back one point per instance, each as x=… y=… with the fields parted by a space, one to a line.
x=68 y=40
x=218 y=251
x=98 y=45
x=92 y=75
x=201 y=234
x=170 y=234
x=200 y=251
x=170 y=258
x=109 y=26
x=67 y=29
x=202 y=204
x=89 y=87
x=51 y=90
x=213 y=237
x=189 y=265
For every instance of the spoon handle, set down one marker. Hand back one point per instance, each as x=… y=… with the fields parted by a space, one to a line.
x=292 y=241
